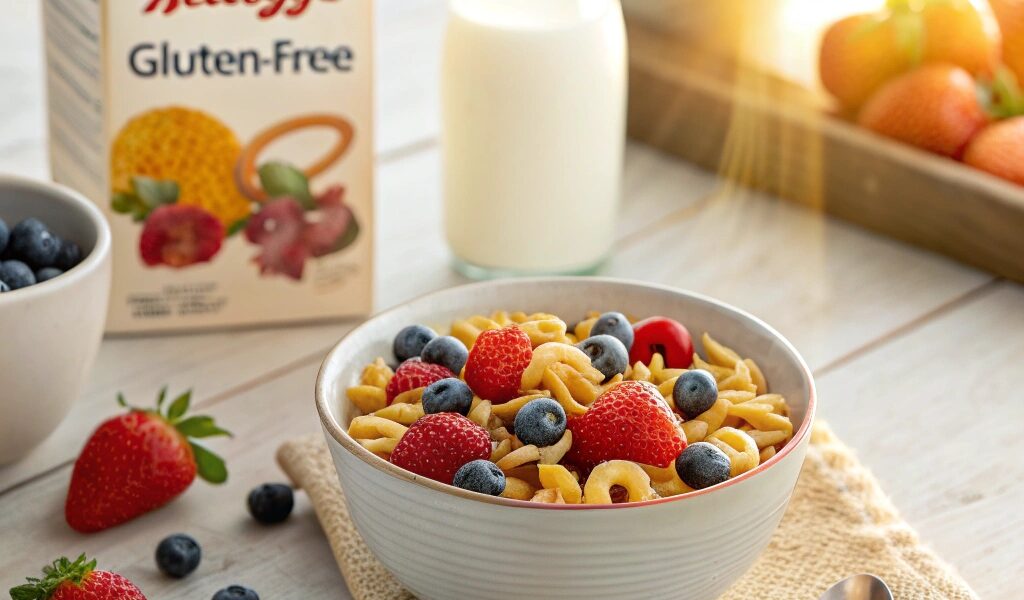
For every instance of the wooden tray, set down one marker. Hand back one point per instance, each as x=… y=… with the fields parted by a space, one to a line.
x=765 y=132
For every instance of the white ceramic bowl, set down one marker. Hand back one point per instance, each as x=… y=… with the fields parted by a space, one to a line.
x=50 y=331
x=442 y=542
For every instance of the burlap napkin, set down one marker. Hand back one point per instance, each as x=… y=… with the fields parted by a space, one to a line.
x=839 y=522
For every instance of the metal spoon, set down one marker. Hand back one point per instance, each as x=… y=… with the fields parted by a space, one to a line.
x=858 y=587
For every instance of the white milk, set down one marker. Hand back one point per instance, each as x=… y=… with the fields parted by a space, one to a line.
x=533 y=100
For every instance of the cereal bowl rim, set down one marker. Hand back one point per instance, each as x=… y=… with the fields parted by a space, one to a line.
x=88 y=212
x=341 y=436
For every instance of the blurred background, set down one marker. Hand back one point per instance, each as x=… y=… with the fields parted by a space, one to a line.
x=862 y=196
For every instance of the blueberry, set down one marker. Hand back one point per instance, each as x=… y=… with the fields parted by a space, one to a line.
x=481 y=476
x=4 y=287
x=47 y=273
x=607 y=354
x=541 y=422
x=33 y=243
x=616 y=325
x=68 y=256
x=410 y=341
x=16 y=274
x=271 y=502
x=236 y=592
x=702 y=465
x=447 y=352
x=5 y=234
x=695 y=392
x=178 y=555
x=447 y=395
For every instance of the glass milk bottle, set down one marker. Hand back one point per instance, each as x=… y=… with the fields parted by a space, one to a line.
x=533 y=97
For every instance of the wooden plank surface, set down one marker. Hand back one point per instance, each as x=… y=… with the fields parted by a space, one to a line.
x=907 y=346
x=937 y=413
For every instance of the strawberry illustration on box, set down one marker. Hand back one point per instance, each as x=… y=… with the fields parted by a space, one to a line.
x=189 y=203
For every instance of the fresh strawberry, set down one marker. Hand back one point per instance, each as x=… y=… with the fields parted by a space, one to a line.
x=139 y=461
x=630 y=421
x=78 y=580
x=999 y=149
x=934 y=107
x=179 y=235
x=414 y=373
x=666 y=337
x=496 y=363
x=438 y=444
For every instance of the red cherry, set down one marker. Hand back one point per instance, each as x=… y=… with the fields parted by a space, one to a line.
x=664 y=336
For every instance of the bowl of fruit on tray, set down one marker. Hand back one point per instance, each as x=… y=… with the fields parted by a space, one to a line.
x=566 y=438
x=54 y=284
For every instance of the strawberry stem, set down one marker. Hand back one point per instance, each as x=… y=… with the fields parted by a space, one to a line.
x=1002 y=95
x=54 y=575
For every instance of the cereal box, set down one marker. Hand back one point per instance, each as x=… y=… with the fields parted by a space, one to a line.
x=230 y=144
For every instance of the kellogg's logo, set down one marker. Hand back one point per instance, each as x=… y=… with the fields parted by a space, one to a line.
x=267 y=8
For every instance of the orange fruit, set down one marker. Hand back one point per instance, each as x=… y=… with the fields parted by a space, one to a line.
x=934 y=107
x=859 y=54
x=999 y=150
x=187 y=146
x=960 y=32
x=1010 y=15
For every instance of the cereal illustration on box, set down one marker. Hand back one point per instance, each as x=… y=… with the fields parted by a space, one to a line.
x=230 y=146
x=189 y=202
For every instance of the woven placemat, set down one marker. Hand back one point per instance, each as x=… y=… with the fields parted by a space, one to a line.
x=839 y=522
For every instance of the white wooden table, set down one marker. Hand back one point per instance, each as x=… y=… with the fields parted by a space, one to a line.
x=919 y=360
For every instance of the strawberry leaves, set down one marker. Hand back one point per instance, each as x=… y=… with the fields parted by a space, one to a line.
x=281 y=180
x=146 y=195
x=60 y=571
x=1001 y=95
x=209 y=466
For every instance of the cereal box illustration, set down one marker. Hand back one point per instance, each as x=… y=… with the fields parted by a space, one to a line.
x=230 y=144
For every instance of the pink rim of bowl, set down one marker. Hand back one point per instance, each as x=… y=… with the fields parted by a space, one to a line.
x=342 y=437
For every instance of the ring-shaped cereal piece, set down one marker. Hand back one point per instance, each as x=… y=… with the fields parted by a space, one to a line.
x=517 y=489
x=548 y=496
x=553 y=352
x=739 y=447
x=666 y=481
x=557 y=477
x=695 y=430
x=553 y=454
x=403 y=413
x=618 y=472
x=501 y=450
x=480 y=413
x=246 y=168
x=382 y=446
x=545 y=330
x=715 y=415
x=519 y=457
x=507 y=412
x=367 y=398
x=561 y=393
x=582 y=389
x=718 y=354
x=369 y=427
x=762 y=416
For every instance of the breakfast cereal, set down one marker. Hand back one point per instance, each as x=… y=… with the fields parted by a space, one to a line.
x=574 y=415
